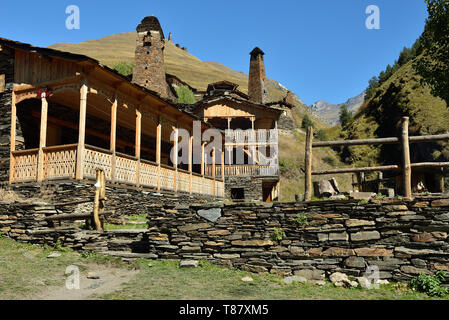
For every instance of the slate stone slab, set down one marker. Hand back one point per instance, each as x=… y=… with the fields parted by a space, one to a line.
x=211 y=215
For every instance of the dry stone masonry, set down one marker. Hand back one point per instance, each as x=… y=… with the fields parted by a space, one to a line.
x=403 y=239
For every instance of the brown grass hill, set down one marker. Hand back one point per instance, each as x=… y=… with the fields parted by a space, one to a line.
x=402 y=94
x=198 y=74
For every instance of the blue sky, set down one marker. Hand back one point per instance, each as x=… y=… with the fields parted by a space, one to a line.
x=320 y=49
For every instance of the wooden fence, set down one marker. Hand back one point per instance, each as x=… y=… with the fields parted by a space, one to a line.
x=406 y=166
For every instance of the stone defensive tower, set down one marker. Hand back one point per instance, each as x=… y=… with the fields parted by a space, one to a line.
x=257 y=90
x=149 y=68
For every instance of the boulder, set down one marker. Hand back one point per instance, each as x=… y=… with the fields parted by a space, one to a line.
x=324 y=189
x=290 y=280
x=188 y=264
x=341 y=280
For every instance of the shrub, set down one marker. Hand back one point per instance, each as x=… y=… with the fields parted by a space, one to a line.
x=124 y=68
x=185 y=95
x=321 y=135
x=278 y=234
x=302 y=220
x=430 y=284
x=306 y=122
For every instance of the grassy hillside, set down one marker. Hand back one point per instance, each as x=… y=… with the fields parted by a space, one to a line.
x=120 y=48
x=401 y=95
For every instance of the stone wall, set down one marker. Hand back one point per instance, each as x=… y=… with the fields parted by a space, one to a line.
x=252 y=187
x=402 y=239
x=6 y=71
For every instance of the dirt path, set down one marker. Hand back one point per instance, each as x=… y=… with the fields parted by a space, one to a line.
x=110 y=279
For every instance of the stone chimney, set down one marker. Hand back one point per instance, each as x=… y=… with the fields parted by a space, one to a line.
x=149 y=68
x=257 y=90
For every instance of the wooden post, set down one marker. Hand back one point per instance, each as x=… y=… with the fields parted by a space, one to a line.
x=158 y=151
x=213 y=170
x=406 y=167
x=203 y=164
x=12 y=143
x=190 y=162
x=308 y=165
x=102 y=195
x=223 y=165
x=441 y=180
x=229 y=123
x=96 y=216
x=138 y=144
x=81 y=131
x=175 y=158
x=42 y=137
x=114 y=137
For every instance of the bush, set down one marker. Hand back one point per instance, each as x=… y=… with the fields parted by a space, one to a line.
x=278 y=234
x=124 y=68
x=302 y=220
x=430 y=284
x=185 y=95
x=306 y=122
x=321 y=135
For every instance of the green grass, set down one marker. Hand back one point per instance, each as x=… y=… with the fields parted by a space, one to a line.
x=21 y=277
x=164 y=280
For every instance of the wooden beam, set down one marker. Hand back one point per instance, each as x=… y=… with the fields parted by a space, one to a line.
x=203 y=165
x=81 y=131
x=213 y=171
x=355 y=142
x=12 y=143
x=138 y=143
x=113 y=137
x=406 y=167
x=175 y=157
x=308 y=165
x=190 y=162
x=158 y=151
x=355 y=170
x=223 y=165
x=96 y=216
x=42 y=138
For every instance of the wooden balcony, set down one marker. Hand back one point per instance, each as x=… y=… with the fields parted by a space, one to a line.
x=60 y=162
x=245 y=170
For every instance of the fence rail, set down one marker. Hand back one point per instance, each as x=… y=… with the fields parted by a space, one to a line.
x=406 y=166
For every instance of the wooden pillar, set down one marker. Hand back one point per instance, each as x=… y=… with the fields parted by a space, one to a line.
x=81 y=131
x=441 y=181
x=190 y=162
x=96 y=216
x=222 y=166
x=229 y=123
x=406 y=167
x=42 y=138
x=158 y=151
x=308 y=165
x=175 y=158
x=12 y=141
x=213 y=170
x=203 y=162
x=138 y=144
x=114 y=137
x=252 y=123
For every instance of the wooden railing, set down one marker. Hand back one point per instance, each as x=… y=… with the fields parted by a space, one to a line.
x=244 y=170
x=406 y=166
x=59 y=162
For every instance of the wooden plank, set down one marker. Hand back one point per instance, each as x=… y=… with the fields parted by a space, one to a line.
x=96 y=216
x=76 y=216
x=138 y=144
x=113 y=138
x=338 y=143
x=308 y=164
x=42 y=138
x=355 y=170
x=81 y=130
x=406 y=167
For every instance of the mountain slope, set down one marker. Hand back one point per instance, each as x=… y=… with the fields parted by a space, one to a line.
x=401 y=95
x=330 y=113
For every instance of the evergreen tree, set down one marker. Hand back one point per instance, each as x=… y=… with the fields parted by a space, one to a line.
x=306 y=122
x=124 y=68
x=433 y=65
x=345 y=115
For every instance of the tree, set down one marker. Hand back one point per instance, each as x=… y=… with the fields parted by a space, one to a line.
x=321 y=135
x=345 y=115
x=185 y=95
x=433 y=65
x=306 y=122
x=124 y=68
